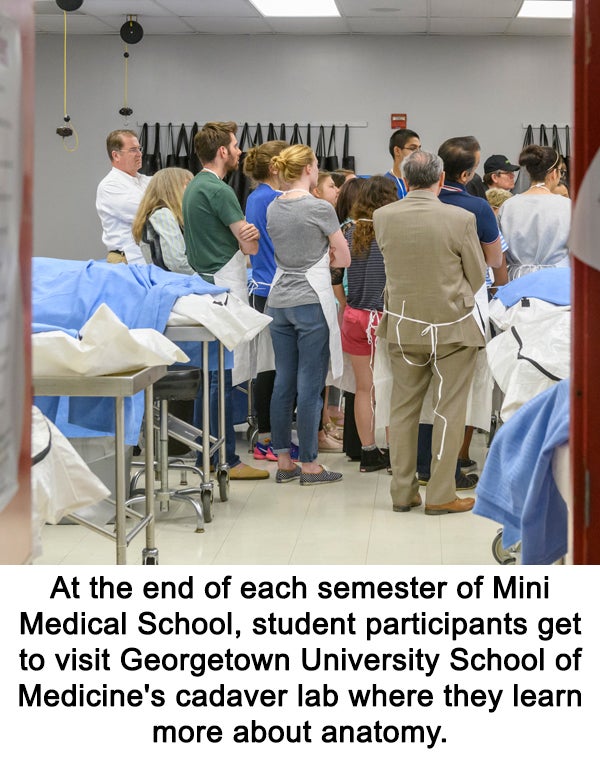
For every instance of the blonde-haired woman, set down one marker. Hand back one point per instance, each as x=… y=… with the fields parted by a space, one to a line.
x=307 y=238
x=158 y=224
x=326 y=188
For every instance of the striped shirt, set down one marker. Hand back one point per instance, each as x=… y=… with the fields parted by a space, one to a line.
x=366 y=277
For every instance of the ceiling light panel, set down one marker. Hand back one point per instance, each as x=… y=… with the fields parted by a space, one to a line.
x=296 y=8
x=201 y=8
x=546 y=9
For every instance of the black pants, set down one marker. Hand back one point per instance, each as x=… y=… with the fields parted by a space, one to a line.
x=424 y=452
x=263 y=385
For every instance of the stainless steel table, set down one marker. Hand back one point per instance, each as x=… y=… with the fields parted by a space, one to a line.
x=118 y=386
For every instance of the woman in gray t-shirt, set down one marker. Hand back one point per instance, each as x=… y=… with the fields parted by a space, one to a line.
x=307 y=238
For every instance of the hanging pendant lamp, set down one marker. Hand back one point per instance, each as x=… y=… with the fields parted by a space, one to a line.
x=66 y=129
x=69 y=5
x=125 y=110
x=132 y=31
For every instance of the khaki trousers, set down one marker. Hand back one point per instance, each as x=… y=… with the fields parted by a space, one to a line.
x=456 y=365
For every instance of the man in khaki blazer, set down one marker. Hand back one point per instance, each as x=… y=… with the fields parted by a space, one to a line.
x=434 y=265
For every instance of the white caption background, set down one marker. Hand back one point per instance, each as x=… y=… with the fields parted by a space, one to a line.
x=526 y=692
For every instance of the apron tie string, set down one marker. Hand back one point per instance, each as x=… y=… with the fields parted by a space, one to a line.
x=253 y=285
x=430 y=329
x=374 y=318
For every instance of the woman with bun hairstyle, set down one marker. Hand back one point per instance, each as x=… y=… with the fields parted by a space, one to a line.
x=307 y=238
x=535 y=224
x=257 y=166
x=158 y=223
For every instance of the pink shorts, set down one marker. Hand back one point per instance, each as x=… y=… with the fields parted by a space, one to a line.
x=355 y=323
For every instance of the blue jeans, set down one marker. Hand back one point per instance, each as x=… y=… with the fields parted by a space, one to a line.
x=231 y=457
x=300 y=338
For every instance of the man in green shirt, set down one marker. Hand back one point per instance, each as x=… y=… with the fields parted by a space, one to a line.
x=217 y=237
x=215 y=227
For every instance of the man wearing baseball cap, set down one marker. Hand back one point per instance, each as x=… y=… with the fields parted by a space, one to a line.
x=499 y=172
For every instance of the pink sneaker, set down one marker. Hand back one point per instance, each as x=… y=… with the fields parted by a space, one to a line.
x=264 y=452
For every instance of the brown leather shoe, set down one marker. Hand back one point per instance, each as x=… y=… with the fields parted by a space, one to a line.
x=460 y=505
x=414 y=503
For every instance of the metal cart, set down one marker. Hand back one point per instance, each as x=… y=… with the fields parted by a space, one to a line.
x=118 y=386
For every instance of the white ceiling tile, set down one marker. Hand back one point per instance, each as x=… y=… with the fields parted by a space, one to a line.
x=46 y=8
x=76 y=25
x=468 y=26
x=373 y=8
x=123 y=8
x=498 y=9
x=359 y=17
x=388 y=26
x=309 y=26
x=171 y=25
x=228 y=26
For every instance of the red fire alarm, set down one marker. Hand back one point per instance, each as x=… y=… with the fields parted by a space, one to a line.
x=398 y=119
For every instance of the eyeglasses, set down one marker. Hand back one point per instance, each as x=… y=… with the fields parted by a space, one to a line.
x=132 y=150
x=504 y=173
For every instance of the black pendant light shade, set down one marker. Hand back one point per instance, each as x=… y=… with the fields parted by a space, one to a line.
x=69 y=5
x=132 y=32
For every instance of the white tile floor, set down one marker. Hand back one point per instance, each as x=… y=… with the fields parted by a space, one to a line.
x=351 y=522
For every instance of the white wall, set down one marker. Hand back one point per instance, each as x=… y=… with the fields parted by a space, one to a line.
x=448 y=87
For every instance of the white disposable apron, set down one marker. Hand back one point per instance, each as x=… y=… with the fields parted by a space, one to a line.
x=385 y=383
x=261 y=347
x=319 y=278
x=479 y=402
x=233 y=276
